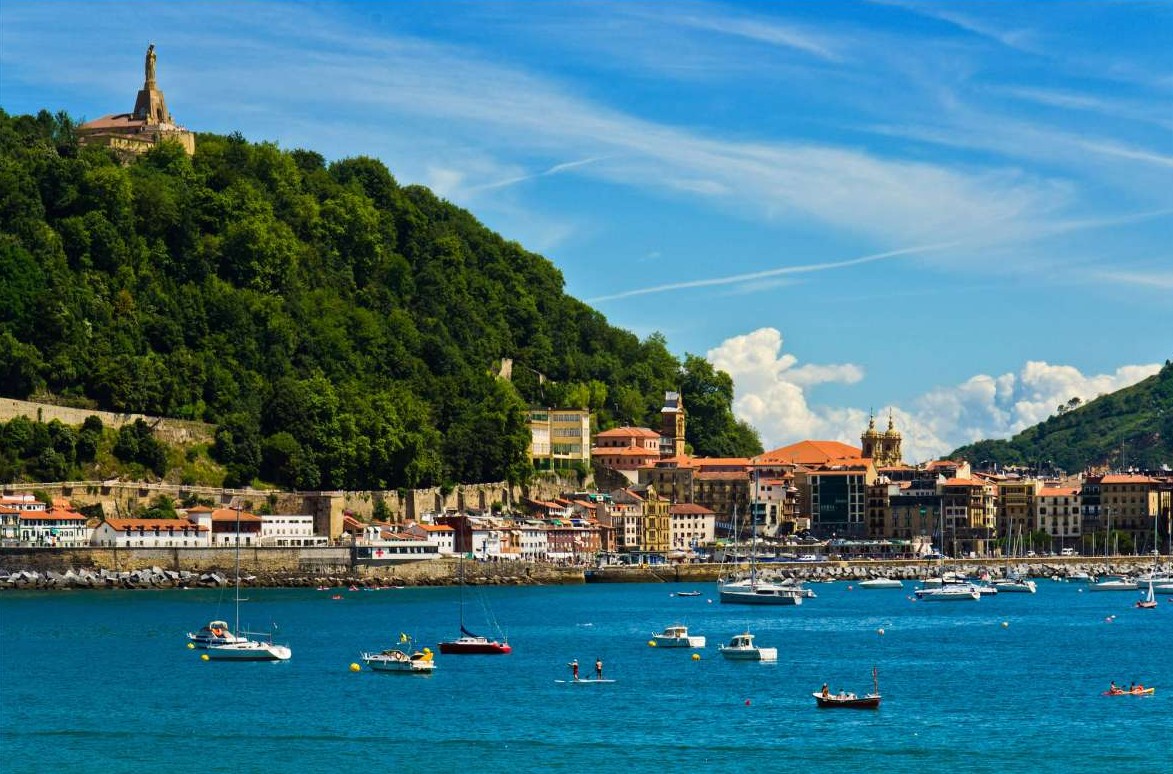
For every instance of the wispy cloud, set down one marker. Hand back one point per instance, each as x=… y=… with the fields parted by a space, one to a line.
x=762 y=31
x=554 y=170
x=1158 y=280
x=759 y=275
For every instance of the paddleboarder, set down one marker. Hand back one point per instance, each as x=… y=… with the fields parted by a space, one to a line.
x=598 y=669
x=574 y=668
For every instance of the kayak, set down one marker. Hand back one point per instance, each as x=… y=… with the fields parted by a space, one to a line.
x=1133 y=692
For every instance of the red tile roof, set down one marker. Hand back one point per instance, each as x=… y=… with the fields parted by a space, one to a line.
x=809 y=453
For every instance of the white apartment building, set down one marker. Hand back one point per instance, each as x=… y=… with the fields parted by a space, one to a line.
x=290 y=530
x=150 y=533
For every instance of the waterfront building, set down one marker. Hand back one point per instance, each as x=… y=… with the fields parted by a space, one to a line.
x=624 y=514
x=1133 y=503
x=150 y=123
x=970 y=514
x=149 y=533
x=1058 y=513
x=443 y=536
x=58 y=527
x=289 y=530
x=690 y=526
x=229 y=526
x=1016 y=498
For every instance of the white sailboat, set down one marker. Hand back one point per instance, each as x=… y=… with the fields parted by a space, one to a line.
x=1150 y=599
x=948 y=590
x=239 y=646
x=755 y=590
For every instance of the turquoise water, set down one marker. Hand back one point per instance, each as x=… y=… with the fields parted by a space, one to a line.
x=103 y=681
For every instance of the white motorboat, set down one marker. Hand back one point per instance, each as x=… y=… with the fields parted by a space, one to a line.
x=1115 y=584
x=754 y=591
x=881 y=583
x=677 y=636
x=741 y=648
x=950 y=592
x=395 y=660
x=1015 y=586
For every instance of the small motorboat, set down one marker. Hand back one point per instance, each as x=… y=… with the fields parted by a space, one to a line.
x=881 y=583
x=741 y=648
x=677 y=636
x=845 y=700
x=687 y=594
x=395 y=660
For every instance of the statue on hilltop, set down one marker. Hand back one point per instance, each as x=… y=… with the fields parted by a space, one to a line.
x=149 y=65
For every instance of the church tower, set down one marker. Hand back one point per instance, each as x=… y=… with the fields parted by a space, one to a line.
x=672 y=426
x=870 y=440
x=890 y=446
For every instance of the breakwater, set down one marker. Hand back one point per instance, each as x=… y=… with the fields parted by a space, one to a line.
x=91 y=567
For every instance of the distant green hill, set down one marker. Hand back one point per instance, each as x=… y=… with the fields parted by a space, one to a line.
x=343 y=331
x=1129 y=428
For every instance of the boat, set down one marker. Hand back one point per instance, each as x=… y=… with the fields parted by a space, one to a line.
x=214 y=633
x=469 y=643
x=947 y=586
x=880 y=583
x=687 y=594
x=755 y=590
x=742 y=648
x=1135 y=691
x=418 y=662
x=844 y=700
x=1150 y=599
x=1015 y=585
x=677 y=636
x=238 y=646
x=950 y=592
x=1115 y=584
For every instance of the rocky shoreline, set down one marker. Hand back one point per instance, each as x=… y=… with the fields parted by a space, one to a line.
x=445 y=573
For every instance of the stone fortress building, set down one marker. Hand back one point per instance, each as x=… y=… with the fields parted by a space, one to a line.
x=137 y=132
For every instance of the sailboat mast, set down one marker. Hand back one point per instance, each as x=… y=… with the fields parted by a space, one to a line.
x=237 y=538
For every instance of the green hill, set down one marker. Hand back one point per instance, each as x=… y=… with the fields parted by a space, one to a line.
x=1132 y=427
x=342 y=331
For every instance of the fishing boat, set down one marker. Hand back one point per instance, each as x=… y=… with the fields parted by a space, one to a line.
x=742 y=648
x=881 y=583
x=844 y=700
x=469 y=643
x=402 y=661
x=238 y=646
x=677 y=636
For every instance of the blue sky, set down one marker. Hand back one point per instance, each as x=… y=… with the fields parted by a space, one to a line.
x=961 y=213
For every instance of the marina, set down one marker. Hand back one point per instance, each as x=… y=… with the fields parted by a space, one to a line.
x=144 y=711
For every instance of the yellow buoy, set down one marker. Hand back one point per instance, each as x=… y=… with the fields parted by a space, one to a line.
x=696 y=656
x=355 y=668
x=191 y=646
x=651 y=643
x=204 y=657
x=427 y=650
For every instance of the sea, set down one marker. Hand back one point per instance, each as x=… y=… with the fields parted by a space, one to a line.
x=103 y=681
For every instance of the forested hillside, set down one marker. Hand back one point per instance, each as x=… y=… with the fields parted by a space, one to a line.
x=1129 y=428
x=342 y=330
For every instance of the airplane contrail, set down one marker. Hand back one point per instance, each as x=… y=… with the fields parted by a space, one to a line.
x=544 y=173
x=771 y=273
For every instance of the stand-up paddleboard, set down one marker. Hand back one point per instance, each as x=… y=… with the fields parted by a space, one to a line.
x=585 y=681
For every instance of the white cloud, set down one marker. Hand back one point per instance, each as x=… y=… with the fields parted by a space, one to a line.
x=770 y=394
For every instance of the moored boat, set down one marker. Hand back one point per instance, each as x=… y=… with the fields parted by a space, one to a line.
x=1115 y=584
x=742 y=648
x=214 y=633
x=395 y=660
x=881 y=583
x=677 y=636
x=1015 y=586
x=950 y=592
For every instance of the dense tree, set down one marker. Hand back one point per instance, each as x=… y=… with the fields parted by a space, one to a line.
x=340 y=330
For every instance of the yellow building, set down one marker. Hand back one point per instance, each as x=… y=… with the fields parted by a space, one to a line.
x=560 y=438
